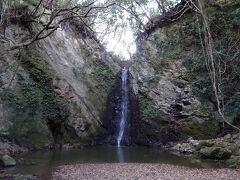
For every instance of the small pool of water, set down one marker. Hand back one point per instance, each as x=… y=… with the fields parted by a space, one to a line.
x=45 y=162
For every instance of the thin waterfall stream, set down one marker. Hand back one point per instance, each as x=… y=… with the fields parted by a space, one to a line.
x=124 y=106
x=45 y=162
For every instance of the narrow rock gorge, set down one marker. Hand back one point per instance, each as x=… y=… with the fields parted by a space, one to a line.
x=70 y=81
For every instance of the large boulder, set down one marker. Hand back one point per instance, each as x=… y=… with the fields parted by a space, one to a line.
x=203 y=144
x=11 y=149
x=185 y=148
x=7 y=161
x=215 y=153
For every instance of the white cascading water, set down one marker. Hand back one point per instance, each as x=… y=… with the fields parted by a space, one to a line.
x=124 y=105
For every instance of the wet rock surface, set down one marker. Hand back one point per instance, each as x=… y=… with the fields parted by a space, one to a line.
x=7 y=161
x=113 y=113
x=184 y=148
x=215 y=153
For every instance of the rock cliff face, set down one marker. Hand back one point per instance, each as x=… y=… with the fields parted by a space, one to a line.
x=168 y=108
x=172 y=84
x=55 y=91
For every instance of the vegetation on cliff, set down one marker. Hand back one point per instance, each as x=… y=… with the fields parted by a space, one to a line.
x=183 y=65
x=178 y=54
x=40 y=106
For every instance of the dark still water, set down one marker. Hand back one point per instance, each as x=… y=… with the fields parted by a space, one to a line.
x=45 y=162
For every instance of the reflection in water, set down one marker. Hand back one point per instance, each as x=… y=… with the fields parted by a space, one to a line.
x=120 y=154
x=45 y=162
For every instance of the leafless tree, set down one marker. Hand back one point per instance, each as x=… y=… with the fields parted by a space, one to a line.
x=213 y=67
x=49 y=19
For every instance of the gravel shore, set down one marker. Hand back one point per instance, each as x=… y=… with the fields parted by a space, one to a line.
x=130 y=171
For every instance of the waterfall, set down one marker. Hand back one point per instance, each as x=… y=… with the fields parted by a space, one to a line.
x=124 y=105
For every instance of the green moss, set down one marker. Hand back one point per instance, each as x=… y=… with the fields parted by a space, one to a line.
x=235 y=149
x=154 y=126
x=233 y=162
x=28 y=128
x=85 y=51
x=34 y=105
x=203 y=144
x=215 y=152
x=177 y=53
x=193 y=128
x=202 y=112
x=150 y=112
x=211 y=9
x=236 y=18
x=99 y=82
x=181 y=41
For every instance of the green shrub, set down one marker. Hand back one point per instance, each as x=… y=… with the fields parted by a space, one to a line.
x=211 y=10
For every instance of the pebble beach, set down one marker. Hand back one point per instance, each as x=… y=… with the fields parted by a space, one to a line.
x=132 y=171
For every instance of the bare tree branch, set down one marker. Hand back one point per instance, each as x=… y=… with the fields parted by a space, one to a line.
x=173 y=15
x=55 y=18
x=208 y=50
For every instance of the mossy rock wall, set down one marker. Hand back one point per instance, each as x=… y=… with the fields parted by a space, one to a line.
x=170 y=71
x=153 y=126
x=58 y=90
